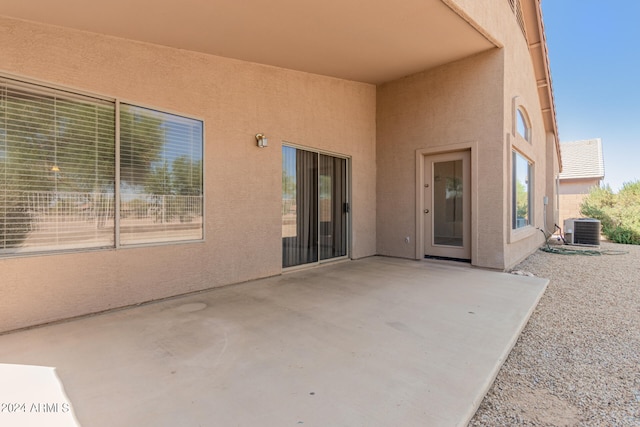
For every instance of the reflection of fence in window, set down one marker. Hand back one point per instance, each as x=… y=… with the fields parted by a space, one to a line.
x=61 y=206
x=289 y=217
x=51 y=206
x=288 y=206
x=40 y=220
x=160 y=208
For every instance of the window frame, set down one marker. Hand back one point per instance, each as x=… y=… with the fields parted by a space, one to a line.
x=348 y=231
x=520 y=118
x=515 y=154
x=45 y=89
x=122 y=102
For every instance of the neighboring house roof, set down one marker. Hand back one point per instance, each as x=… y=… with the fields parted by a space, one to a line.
x=582 y=159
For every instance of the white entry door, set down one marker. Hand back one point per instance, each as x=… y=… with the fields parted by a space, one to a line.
x=447 y=205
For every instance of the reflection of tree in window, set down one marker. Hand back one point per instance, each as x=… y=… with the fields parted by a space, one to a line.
x=448 y=203
x=314 y=206
x=454 y=194
x=57 y=168
x=56 y=149
x=521 y=191
x=161 y=162
x=325 y=198
x=522 y=207
x=289 y=191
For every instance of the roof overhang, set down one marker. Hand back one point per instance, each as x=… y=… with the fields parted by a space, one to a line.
x=534 y=28
x=370 y=42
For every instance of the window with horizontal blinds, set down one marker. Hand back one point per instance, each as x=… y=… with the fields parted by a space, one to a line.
x=56 y=170
x=160 y=176
x=58 y=180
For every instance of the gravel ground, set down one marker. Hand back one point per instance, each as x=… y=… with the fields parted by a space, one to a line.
x=577 y=362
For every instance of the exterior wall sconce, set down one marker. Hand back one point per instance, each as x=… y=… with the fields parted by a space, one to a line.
x=262 y=140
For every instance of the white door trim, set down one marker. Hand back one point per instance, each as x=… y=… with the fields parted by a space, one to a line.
x=419 y=211
x=434 y=209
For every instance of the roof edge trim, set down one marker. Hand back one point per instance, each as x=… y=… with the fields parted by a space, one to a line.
x=540 y=46
x=451 y=4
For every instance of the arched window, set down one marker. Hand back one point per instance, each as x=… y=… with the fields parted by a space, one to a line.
x=522 y=124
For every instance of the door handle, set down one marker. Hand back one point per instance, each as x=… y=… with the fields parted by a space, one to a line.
x=426 y=211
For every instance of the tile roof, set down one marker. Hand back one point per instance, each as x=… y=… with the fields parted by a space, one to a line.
x=582 y=159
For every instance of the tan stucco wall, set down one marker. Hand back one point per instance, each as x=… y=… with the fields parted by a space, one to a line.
x=467 y=103
x=469 y=100
x=553 y=209
x=484 y=14
x=572 y=194
x=570 y=206
x=497 y=20
x=236 y=100
x=454 y=104
x=577 y=186
x=520 y=83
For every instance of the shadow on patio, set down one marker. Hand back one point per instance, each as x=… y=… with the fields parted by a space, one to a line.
x=374 y=342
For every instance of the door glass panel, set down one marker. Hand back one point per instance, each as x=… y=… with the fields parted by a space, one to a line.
x=447 y=203
x=333 y=208
x=299 y=207
x=314 y=207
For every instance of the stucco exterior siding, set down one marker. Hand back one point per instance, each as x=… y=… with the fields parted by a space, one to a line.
x=235 y=100
x=474 y=99
x=481 y=69
x=580 y=186
x=521 y=89
x=553 y=208
x=460 y=102
x=583 y=170
x=523 y=67
x=571 y=194
x=570 y=207
x=489 y=15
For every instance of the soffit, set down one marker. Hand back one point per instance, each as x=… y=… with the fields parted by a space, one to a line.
x=367 y=41
x=535 y=34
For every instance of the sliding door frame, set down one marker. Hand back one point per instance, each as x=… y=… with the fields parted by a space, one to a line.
x=318 y=222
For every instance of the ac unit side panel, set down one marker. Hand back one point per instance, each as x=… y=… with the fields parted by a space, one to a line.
x=568 y=230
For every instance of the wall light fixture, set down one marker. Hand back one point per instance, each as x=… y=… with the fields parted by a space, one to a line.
x=262 y=140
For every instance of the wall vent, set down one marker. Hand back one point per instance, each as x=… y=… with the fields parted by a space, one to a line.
x=582 y=231
x=516 y=7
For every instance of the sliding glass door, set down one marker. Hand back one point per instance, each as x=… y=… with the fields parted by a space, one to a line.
x=333 y=207
x=314 y=207
x=299 y=207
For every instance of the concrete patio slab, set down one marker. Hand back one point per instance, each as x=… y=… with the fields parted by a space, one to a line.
x=374 y=342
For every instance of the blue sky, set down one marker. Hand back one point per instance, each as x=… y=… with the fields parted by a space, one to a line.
x=594 y=52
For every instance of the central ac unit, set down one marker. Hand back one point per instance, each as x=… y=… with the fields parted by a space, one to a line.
x=582 y=231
